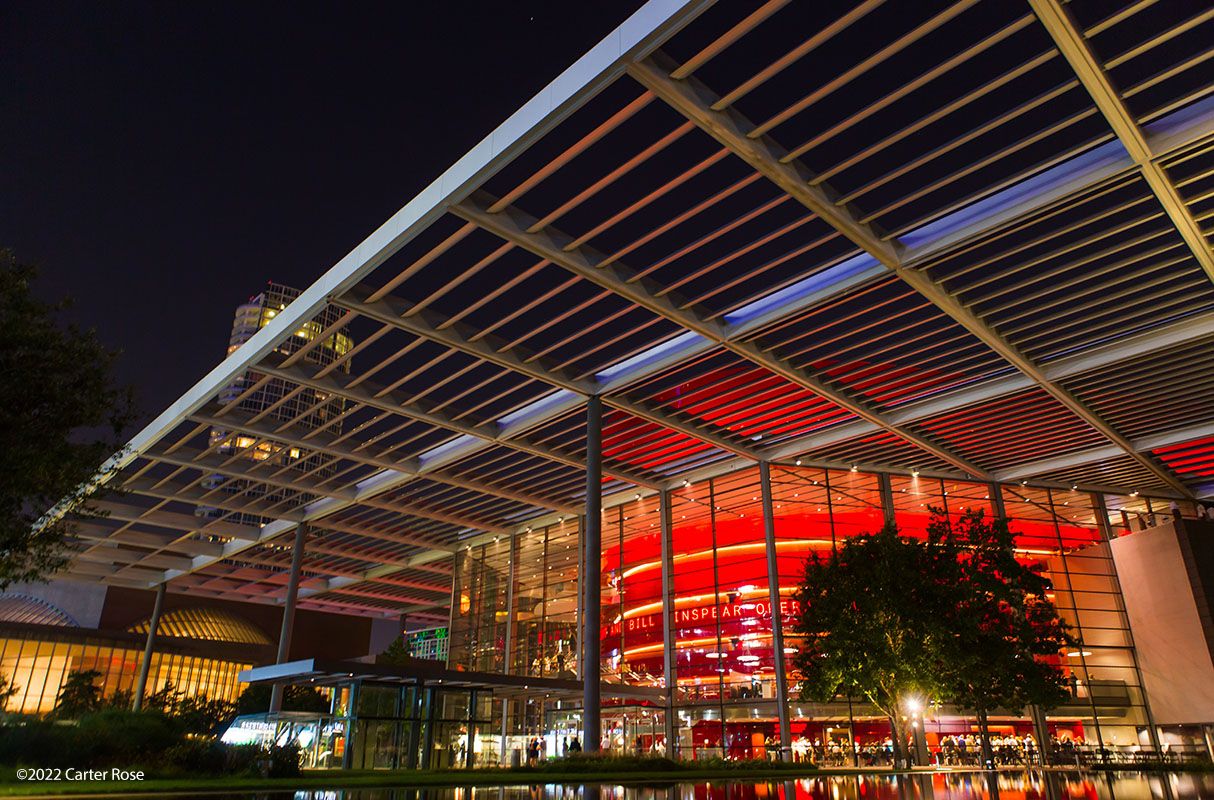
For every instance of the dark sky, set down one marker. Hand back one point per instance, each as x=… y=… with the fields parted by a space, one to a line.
x=161 y=161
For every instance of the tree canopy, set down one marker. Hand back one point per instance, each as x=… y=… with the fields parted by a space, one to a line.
x=256 y=699
x=61 y=416
x=1008 y=635
x=872 y=621
x=954 y=616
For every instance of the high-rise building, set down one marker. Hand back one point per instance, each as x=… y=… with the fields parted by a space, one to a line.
x=322 y=343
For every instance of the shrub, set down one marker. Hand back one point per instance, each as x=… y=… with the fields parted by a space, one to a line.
x=197 y=756
x=284 y=761
x=199 y=714
x=118 y=737
x=144 y=739
x=36 y=742
x=244 y=759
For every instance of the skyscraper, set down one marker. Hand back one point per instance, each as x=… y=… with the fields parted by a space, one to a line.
x=323 y=344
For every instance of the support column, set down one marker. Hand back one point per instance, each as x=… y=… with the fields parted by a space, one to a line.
x=1041 y=731
x=508 y=648
x=146 y=665
x=418 y=714
x=592 y=603
x=469 y=757
x=669 y=678
x=995 y=490
x=347 y=756
x=887 y=497
x=777 y=619
x=501 y=759
x=431 y=701
x=288 y=613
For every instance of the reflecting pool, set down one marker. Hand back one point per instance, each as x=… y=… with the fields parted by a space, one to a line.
x=925 y=786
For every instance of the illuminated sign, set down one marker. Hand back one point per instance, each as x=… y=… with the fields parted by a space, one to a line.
x=734 y=611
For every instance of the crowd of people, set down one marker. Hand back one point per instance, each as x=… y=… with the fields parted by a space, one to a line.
x=537 y=748
x=952 y=750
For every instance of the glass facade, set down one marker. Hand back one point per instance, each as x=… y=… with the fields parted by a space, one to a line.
x=38 y=665
x=412 y=726
x=718 y=589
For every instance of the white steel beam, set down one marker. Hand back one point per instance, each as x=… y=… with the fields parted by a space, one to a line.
x=1143 y=444
x=1071 y=42
x=430 y=325
x=327 y=445
x=366 y=394
x=697 y=103
x=637 y=36
x=518 y=227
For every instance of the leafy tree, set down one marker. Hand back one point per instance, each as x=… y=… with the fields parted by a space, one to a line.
x=872 y=622
x=202 y=715
x=396 y=654
x=80 y=694
x=954 y=616
x=120 y=699
x=1007 y=633
x=256 y=700
x=7 y=690
x=164 y=699
x=61 y=415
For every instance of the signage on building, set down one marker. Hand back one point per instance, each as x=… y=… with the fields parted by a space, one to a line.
x=725 y=612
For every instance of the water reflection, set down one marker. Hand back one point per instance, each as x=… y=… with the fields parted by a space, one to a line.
x=924 y=786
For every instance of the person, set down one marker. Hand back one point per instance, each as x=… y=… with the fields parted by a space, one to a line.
x=574 y=745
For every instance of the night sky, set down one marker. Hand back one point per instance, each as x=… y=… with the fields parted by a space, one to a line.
x=161 y=161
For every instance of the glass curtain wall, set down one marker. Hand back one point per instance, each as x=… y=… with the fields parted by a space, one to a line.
x=398 y=727
x=1063 y=531
x=814 y=510
x=633 y=641
x=479 y=618
x=38 y=668
x=544 y=640
x=724 y=659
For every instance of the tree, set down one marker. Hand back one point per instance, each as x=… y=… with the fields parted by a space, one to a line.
x=61 y=415
x=163 y=700
x=256 y=700
x=80 y=694
x=872 y=622
x=397 y=654
x=8 y=689
x=955 y=616
x=202 y=715
x=1007 y=633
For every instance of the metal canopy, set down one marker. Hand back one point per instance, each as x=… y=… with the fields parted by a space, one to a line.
x=968 y=238
x=326 y=672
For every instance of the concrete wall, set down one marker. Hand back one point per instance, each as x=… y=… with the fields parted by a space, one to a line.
x=80 y=601
x=1166 y=576
x=316 y=633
